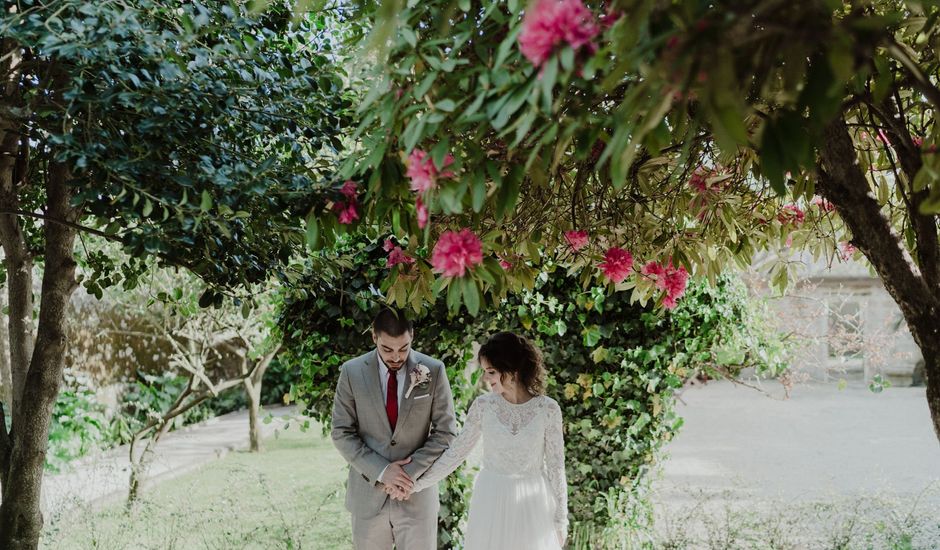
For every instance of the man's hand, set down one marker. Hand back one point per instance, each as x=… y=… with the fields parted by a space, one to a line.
x=397 y=494
x=396 y=478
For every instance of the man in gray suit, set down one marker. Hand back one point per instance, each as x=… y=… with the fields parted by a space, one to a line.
x=393 y=416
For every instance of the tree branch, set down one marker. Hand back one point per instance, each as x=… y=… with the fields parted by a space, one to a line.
x=921 y=82
x=842 y=183
x=66 y=223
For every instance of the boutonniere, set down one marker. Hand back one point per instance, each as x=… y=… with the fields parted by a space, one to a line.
x=420 y=378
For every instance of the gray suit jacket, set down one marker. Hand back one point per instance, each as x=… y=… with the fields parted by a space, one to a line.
x=425 y=428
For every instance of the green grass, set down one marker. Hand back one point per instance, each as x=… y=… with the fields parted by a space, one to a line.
x=290 y=496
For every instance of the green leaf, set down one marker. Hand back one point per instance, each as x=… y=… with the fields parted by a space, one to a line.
x=313 y=232
x=446 y=105
x=471 y=296
x=206 y=204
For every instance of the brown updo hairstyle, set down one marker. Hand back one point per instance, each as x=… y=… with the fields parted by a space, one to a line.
x=511 y=353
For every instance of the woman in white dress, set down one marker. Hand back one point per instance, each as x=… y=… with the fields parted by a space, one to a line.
x=520 y=496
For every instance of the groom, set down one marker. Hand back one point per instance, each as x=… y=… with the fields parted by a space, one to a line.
x=393 y=416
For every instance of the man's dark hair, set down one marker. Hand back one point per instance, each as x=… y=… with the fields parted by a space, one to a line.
x=391 y=322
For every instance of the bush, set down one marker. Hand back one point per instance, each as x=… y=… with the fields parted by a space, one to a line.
x=613 y=366
x=79 y=424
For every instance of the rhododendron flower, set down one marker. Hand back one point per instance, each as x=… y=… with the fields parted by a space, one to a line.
x=617 y=264
x=655 y=271
x=347 y=212
x=397 y=256
x=917 y=140
x=847 y=251
x=823 y=204
x=791 y=214
x=456 y=252
x=423 y=173
x=576 y=239
x=504 y=264
x=423 y=214
x=670 y=279
x=549 y=23
x=350 y=189
x=388 y=245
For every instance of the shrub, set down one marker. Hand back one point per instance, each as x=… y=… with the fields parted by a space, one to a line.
x=613 y=366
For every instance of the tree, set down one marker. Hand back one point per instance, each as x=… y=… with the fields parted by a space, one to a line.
x=691 y=134
x=198 y=135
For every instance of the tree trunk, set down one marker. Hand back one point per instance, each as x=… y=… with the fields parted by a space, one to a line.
x=841 y=182
x=20 y=515
x=254 y=406
x=253 y=383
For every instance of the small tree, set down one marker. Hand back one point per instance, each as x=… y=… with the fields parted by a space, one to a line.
x=196 y=134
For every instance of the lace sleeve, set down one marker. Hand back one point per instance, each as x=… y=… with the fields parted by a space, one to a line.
x=555 y=467
x=458 y=450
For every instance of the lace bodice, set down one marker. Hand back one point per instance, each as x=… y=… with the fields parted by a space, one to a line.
x=524 y=439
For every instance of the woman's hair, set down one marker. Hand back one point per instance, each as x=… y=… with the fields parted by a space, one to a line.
x=511 y=353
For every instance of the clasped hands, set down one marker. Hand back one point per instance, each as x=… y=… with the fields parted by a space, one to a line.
x=396 y=482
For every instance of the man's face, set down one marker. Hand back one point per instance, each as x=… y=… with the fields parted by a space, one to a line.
x=393 y=349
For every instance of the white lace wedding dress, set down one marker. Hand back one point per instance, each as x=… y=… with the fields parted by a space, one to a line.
x=520 y=497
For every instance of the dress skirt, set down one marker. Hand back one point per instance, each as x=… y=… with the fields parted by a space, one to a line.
x=511 y=512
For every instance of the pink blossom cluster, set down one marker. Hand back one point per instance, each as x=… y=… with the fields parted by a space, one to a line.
x=669 y=279
x=699 y=181
x=617 y=264
x=846 y=251
x=396 y=255
x=423 y=173
x=550 y=23
x=576 y=239
x=791 y=214
x=456 y=252
x=422 y=210
x=824 y=204
x=347 y=210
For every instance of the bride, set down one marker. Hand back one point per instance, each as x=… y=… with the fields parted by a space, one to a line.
x=520 y=498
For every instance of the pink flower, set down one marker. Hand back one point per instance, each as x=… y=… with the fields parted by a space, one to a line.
x=847 y=251
x=423 y=214
x=823 y=204
x=504 y=264
x=397 y=256
x=422 y=171
x=347 y=212
x=350 y=189
x=791 y=214
x=388 y=246
x=617 y=264
x=549 y=23
x=455 y=253
x=655 y=271
x=917 y=140
x=673 y=281
x=576 y=239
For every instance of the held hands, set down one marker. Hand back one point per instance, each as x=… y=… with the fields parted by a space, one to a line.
x=396 y=481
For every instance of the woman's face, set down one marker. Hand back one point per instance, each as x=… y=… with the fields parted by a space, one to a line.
x=492 y=376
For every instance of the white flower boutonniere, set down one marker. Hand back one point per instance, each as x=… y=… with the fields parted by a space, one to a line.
x=420 y=378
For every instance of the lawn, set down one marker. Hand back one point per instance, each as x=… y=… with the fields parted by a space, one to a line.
x=290 y=496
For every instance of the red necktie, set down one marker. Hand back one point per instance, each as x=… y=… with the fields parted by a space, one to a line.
x=391 y=399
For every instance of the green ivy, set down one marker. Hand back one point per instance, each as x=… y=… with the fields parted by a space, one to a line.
x=613 y=365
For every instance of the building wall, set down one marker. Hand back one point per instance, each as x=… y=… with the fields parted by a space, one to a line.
x=843 y=325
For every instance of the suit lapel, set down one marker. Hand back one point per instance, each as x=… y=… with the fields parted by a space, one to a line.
x=373 y=378
x=405 y=406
